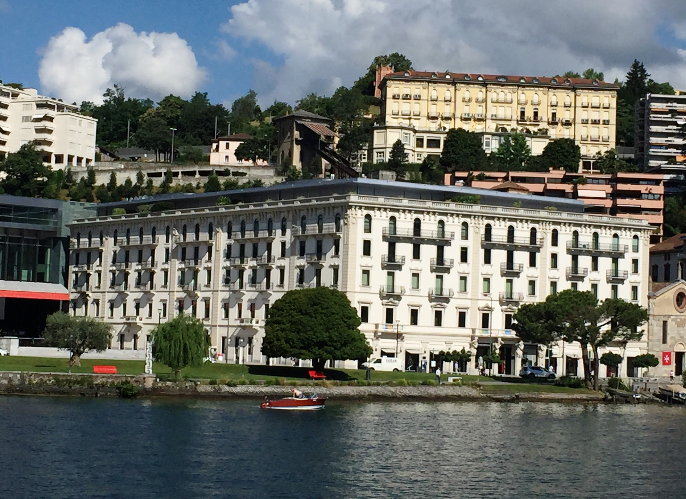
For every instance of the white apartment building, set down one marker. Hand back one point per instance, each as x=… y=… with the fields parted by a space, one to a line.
x=425 y=274
x=660 y=137
x=66 y=137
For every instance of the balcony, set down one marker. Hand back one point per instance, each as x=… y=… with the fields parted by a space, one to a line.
x=606 y=104
x=82 y=288
x=617 y=275
x=265 y=234
x=523 y=102
x=417 y=96
x=504 y=100
x=479 y=117
x=315 y=258
x=568 y=104
x=249 y=321
x=584 y=104
x=553 y=104
x=427 y=236
x=395 y=112
x=553 y=121
x=506 y=298
x=512 y=243
x=190 y=264
x=567 y=123
x=259 y=286
x=480 y=99
x=121 y=265
x=597 y=250
x=190 y=287
x=441 y=265
x=466 y=116
x=605 y=138
x=143 y=287
x=501 y=117
x=392 y=261
x=264 y=260
x=439 y=294
x=595 y=104
x=406 y=113
x=447 y=116
x=433 y=116
x=466 y=99
x=595 y=138
x=606 y=122
x=81 y=267
x=511 y=269
x=595 y=122
x=147 y=241
x=434 y=97
x=407 y=96
x=448 y=98
x=203 y=239
x=238 y=261
x=312 y=230
x=576 y=273
x=584 y=137
x=584 y=121
x=236 y=286
x=396 y=96
x=391 y=291
x=121 y=288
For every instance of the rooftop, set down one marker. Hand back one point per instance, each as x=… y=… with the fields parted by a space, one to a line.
x=304 y=115
x=500 y=79
x=671 y=244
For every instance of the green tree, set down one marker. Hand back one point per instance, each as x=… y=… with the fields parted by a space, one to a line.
x=610 y=162
x=561 y=153
x=212 y=184
x=180 y=342
x=252 y=149
x=25 y=173
x=675 y=215
x=190 y=154
x=431 y=170
x=277 y=110
x=646 y=360
x=318 y=324
x=246 y=107
x=313 y=103
x=396 y=160
x=571 y=74
x=611 y=359
x=153 y=133
x=513 y=152
x=102 y=194
x=78 y=335
x=90 y=177
x=462 y=151
x=592 y=74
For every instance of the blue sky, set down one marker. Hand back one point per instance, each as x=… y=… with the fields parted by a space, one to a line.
x=285 y=49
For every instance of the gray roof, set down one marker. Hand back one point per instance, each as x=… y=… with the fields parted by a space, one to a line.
x=304 y=115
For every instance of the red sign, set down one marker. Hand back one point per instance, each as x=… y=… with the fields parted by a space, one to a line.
x=666 y=358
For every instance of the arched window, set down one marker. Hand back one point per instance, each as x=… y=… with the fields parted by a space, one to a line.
x=488 y=233
x=532 y=236
x=555 y=238
x=510 y=234
x=283 y=226
x=256 y=228
x=128 y=236
x=242 y=228
x=167 y=234
x=392 y=226
x=140 y=236
x=337 y=222
x=441 y=228
x=367 y=224
x=210 y=231
x=229 y=230
x=184 y=232
x=615 y=242
x=575 y=239
x=270 y=227
x=634 y=244
x=303 y=224
x=596 y=241
x=668 y=272
x=417 y=228
x=197 y=232
x=653 y=273
x=464 y=231
x=153 y=232
x=90 y=239
x=78 y=239
x=102 y=238
x=115 y=235
x=320 y=224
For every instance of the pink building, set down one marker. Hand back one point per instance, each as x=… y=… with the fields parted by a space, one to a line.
x=223 y=151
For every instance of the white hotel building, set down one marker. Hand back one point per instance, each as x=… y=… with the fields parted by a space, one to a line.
x=425 y=274
x=65 y=137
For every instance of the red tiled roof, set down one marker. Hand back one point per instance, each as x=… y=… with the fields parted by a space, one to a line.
x=318 y=129
x=670 y=244
x=509 y=186
x=474 y=77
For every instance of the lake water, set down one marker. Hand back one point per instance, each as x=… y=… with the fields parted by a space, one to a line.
x=73 y=448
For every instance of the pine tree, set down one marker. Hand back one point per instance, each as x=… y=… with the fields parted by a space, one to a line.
x=213 y=184
x=396 y=159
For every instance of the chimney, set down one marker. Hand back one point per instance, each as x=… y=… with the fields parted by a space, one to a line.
x=381 y=72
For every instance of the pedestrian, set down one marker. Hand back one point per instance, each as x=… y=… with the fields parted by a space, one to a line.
x=671 y=375
x=438 y=375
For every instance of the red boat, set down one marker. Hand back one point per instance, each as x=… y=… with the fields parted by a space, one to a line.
x=310 y=403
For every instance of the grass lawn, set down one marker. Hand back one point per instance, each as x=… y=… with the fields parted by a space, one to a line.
x=532 y=388
x=45 y=364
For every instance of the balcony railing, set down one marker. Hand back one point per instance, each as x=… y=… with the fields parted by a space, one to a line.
x=605 y=138
x=135 y=241
x=441 y=264
x=617 y=275
x=264 y=260
x=466 y=116
x=311 y=230
x=121 y=265
x=510 y=298
x=190 y=287
x=249 y=321
x=584 y=121
x=190 y=263
x=392 y=261
x=80 y=268
x=579 y=248
x=417 y=96
x=238 y=260
x=315 y=257
x=407 y=96
x=511 y=269
x=433 y=116
x=440 y=294
x=251 y=234
x=606 y=122
x=391 y=290
x=121 y=288
x=514 y=243
x=576 y=273
x=411 y=234
x=191 y=240
x=259 y=286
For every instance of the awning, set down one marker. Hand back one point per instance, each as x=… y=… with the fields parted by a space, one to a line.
x=33 y=290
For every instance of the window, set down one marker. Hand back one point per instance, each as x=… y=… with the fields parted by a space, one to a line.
x=533 y=236
x=488 y=233
x=301 y=277
x=419 y=142
x=575 y=239
x=282 y=276
x=365 y=277
x=367 y=224
x=510 y=234
x=461 y=318
x=553 y=287
x=464 y=231
x=615 y=292
x=667 y=272
x=485 y=320
x=532 y=288
x=653 y=273
x=283 y=249
x=111 y=309
x=303 y=224
x=463 y=284
x=415 y=280
x=414 y=316
x=417 y=228
x=301 y=249
x=438 y=318
x=334 y=277
x=575 y=286
x=337 y=222
x=665 y=331
x=207 y=309
x=239 y=310
x=594 y=263
x=615 y=242
x=389 y=316
x=180 y=306
x=225 y=309
x=320 y=224
x=283 y=226
x=366 y=248
x=553 y=260
x=164 y=309
x=486 y=285
x=364 y=313
x=594 y=289
x=392 y=226
x=336 y=247
x=634 y=293
x=463 y=254
x=634 y=266
x=441 y=229
x=487 y=256
x=532 y=259
x=416 y=251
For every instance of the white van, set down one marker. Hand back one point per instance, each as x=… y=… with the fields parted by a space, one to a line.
x=385 y=364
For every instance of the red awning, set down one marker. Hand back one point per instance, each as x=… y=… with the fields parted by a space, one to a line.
x=33 y=290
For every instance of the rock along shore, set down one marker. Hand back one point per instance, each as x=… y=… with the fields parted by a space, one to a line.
x=90 y=385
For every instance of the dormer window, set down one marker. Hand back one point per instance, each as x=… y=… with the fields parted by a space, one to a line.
x=595 y=82
x=522 y=80
x=467 y=77
x=502 y=78
x=567 y=81
x=536 y=80
x=407 y=73
x=447 y=75
x=480 y=78
x=433 y=75
x=553 y=80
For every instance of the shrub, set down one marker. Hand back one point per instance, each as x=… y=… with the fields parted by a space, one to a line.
x=118 y=211
x=362 y=382
x=618 y=384
x=281 y=381
x=293 y=383
x=401 y=382
x=429 y=382
x=127 y=390
x=162 y=206
x=569 y=382
x=231 y=382
x=243 y=381
x=223 y=201
x=413 y=382
x=213 y=382
x=269 y=382
x=143 y=209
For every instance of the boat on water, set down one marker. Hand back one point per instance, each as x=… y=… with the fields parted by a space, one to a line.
x=311 y=403
x=674 y=394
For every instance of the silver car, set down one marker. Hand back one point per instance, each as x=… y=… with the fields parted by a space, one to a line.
x=536 y=372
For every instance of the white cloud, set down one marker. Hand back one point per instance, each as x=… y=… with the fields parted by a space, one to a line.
x=223 y=51
x=148 y=65
x=326 y=43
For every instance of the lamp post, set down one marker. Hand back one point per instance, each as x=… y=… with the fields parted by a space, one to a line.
x=172 y=147
x=397 y=336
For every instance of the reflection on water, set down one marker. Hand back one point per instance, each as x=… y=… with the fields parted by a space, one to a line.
x=59 y=448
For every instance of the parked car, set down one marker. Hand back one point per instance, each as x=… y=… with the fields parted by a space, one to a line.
x=3 y=352
x=536 y=372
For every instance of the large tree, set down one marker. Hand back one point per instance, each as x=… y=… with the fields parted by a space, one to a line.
x=396 y=159
x=610 y=162
x=561 y=153
x=576 y=316
x=512 y=153
x=180 y=342
x=25 y=173
x=463 y=151
x=78 y=335
x=318 y=324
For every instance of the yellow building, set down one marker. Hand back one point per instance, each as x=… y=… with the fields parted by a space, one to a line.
x=419 y=108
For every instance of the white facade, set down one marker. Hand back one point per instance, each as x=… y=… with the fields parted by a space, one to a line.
x=66 y=137
x=425 y=276
x=660 y=138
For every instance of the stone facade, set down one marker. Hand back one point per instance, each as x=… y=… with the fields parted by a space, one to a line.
x=667 y=328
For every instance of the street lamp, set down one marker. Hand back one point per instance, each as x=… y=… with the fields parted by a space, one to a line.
x=397 y=336
x=172 y=149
